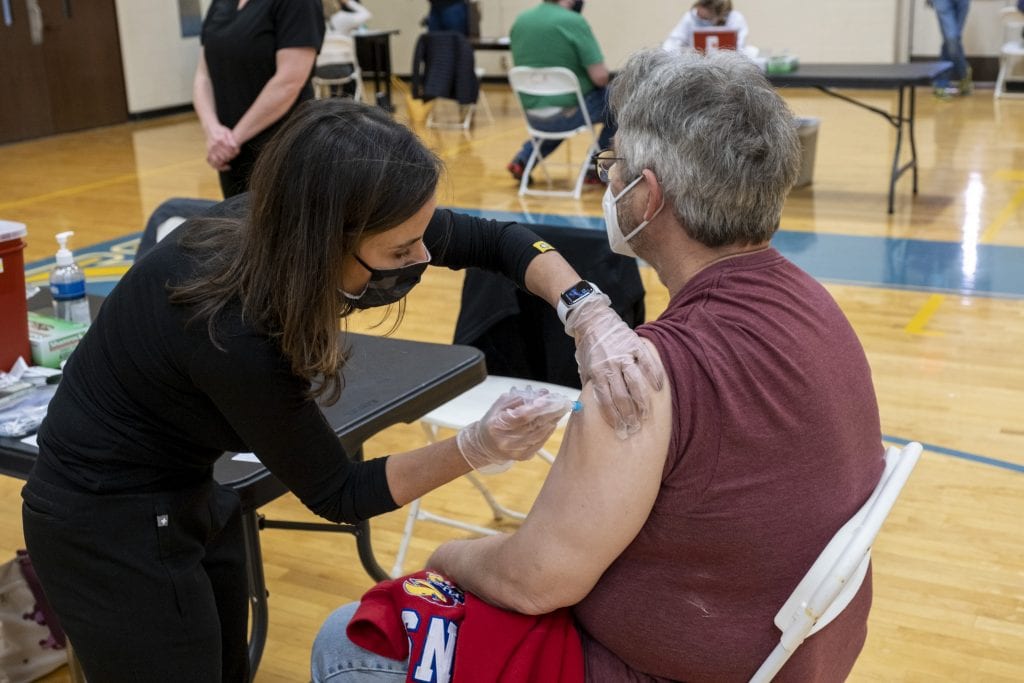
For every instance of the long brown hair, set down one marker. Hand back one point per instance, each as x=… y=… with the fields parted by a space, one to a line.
x=336 y=172
x=720 y=8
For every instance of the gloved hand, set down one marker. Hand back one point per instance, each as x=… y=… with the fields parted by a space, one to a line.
x=613 y=357
x=514 y=428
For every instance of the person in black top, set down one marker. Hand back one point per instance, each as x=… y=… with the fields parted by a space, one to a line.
x=220 y=339
x=253 y=70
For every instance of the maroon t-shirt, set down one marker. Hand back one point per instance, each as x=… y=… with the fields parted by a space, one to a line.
x=775 y=444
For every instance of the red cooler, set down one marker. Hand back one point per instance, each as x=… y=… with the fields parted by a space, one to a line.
x=13 y=310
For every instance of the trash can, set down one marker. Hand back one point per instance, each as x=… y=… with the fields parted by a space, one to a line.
x=807 y=129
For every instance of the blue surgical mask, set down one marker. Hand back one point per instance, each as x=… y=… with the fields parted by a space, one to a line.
x=386 y=286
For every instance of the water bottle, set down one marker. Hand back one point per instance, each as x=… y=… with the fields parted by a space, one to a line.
x=67 y=285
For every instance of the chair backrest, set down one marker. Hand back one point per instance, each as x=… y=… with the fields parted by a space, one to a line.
x=1013 y=24
x=1011 y=17
x=836 y=576
x=546 y=81
x=167 y=217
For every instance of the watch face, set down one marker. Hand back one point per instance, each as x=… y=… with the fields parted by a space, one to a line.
x=577 y=292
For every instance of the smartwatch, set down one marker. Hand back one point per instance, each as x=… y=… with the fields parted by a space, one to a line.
x=574 y=296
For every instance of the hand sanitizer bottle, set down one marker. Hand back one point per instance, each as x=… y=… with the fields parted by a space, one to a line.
x=67 y=285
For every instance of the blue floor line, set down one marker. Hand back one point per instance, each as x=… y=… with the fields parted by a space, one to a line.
x=981 y=459
x=916 y=265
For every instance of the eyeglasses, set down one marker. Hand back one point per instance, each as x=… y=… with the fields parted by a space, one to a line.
x=603 y=162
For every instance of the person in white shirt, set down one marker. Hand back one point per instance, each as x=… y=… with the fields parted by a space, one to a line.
x=707 y=14
x=337 y=58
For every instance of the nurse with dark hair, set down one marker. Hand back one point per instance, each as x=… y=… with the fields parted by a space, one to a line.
x=221 y=339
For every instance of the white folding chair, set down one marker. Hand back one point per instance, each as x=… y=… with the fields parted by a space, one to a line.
x=455 y=414
x=1011 y=52
x=836 y=576
x=465 y=113
x=547 y=81
x=325 y=87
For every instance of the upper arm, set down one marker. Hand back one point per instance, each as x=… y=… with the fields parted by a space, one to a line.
x=459 y=241
x=596 y=499
x=267 y=406
x=295 y=63
x=589 y=51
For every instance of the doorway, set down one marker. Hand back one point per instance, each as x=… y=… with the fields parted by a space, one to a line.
x=60 y=67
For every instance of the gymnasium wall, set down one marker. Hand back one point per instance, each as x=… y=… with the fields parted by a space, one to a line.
x=159 y=63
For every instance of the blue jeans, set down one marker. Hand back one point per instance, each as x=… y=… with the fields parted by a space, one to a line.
x=454 y=17
x=336 y=659
x=952 y=16
x=597 y=107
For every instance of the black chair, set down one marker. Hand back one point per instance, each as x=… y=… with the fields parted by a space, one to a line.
x=520 y=334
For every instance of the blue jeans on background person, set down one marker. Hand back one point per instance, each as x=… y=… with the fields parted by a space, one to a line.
x=952 y=15
x=570 y=119
x=336 y=659
x=453 y=17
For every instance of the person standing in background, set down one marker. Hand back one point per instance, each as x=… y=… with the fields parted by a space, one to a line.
x=449 y=15
x=952 y=16
x=707 y=14
x=254 y=68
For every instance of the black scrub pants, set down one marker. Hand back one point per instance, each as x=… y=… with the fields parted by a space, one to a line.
x=148 y=587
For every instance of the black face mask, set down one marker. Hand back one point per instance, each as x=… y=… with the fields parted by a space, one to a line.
x=577 y=6
x=386 y=286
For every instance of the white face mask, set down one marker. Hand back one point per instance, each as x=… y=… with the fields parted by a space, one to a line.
x=618 y=242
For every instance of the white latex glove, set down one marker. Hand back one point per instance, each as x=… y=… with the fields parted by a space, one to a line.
x=614 y=358
x=514 y=428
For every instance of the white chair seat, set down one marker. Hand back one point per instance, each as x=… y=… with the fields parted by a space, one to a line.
x=323 y=87
x=455 y=414
x=469 y=407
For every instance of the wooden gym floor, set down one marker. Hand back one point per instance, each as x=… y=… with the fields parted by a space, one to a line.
x=934 y=291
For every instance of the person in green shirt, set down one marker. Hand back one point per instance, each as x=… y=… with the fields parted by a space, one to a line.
x=554 y=33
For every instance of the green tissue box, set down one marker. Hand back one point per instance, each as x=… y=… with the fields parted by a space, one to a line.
x=52 y=340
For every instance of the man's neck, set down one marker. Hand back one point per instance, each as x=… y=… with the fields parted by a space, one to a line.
x=693 y=257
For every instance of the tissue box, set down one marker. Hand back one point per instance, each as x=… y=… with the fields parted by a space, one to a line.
x=52 y=340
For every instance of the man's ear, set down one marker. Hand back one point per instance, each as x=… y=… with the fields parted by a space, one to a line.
x=655 y=194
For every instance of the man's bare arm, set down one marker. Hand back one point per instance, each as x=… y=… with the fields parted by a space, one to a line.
x=596 y=499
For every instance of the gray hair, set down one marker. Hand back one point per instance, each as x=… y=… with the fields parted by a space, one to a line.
x=720 y=140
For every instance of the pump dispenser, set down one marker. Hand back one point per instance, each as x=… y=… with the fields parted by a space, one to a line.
x=67 y=284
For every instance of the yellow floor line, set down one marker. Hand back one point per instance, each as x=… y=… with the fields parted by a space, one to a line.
x=1011 y=174
x=1009 y=212
x=920 y=321
x=99 y=184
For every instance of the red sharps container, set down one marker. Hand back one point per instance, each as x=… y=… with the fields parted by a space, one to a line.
x=13 y=309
